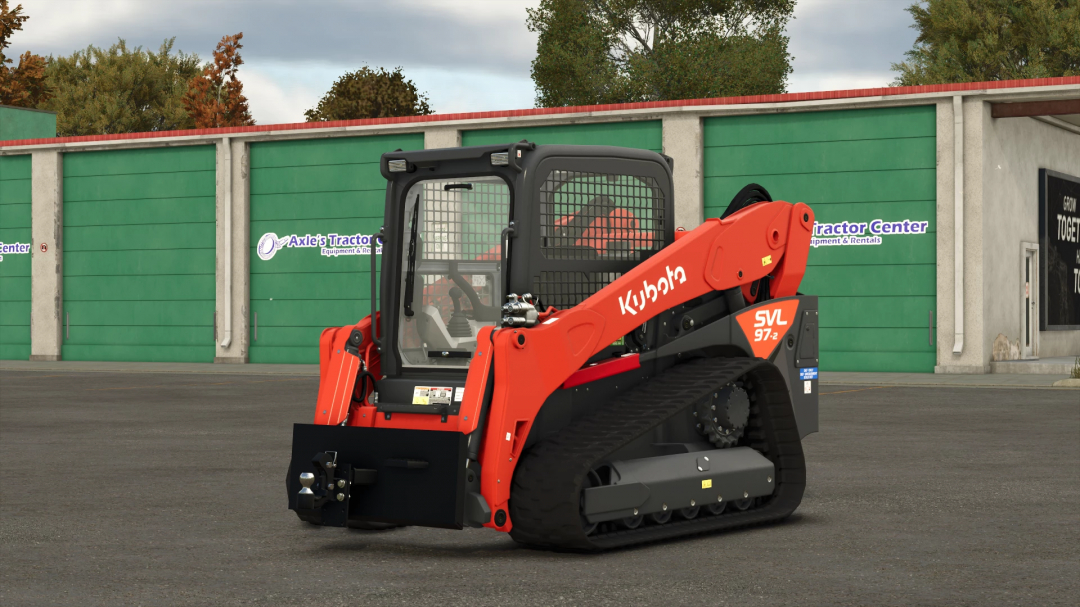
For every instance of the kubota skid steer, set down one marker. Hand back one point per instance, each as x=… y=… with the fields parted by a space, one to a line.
x=649 y=382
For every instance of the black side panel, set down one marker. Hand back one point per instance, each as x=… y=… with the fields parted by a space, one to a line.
x=431 y=496
x=801 y=338
x=804 y=387
x=808 y=339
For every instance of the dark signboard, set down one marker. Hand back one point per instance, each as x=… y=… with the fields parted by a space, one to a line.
x=1059 y=250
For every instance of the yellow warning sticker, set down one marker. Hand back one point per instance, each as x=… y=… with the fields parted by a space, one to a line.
x=766 y=260
x=706 y=484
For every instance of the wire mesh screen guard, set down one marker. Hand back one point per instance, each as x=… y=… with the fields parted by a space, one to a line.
x=599 y=216
x=459 y=225
x=595 y=217
x=462 y=223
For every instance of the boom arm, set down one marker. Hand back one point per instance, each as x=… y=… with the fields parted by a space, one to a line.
x=770 y=238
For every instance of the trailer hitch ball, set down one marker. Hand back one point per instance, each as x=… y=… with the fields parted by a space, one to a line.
x=306 y=480
x=306 y=499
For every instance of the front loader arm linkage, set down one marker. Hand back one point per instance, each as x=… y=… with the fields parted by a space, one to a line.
x=766 y=239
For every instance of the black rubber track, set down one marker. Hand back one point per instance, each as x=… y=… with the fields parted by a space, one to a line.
x=546 y=490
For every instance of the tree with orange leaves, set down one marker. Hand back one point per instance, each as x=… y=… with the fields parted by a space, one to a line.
x=215 y=98
x=22 y=86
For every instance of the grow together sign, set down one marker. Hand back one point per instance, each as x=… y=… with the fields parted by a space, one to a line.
x=863 y=233
x=1059 y=250
x=330 y=245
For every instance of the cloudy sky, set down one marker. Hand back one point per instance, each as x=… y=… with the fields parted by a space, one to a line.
x=468 y=55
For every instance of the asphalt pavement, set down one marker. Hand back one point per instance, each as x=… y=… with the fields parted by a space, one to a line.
x=168 y=489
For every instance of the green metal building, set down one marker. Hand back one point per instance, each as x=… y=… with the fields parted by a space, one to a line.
x=146 y=248
x=17 y=123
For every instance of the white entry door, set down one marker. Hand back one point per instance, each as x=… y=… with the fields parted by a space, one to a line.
x=1029 y=312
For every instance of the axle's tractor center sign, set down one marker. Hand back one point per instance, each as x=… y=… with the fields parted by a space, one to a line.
x=1059 y=250
x=329 y=245
x=13 y=248
x=846 y=233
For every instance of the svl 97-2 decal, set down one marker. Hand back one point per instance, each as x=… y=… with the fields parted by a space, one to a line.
x=766 y=326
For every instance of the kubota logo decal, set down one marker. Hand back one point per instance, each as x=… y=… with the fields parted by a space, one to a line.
x=634 y=304
x=764 y=327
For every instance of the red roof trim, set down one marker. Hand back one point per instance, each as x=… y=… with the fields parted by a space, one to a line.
x=751 y=99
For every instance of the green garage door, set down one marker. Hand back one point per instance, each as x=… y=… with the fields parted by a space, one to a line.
x=647 y=135
x=14 y=257
x=139 y=255
x=877 y=282
x=302 y=193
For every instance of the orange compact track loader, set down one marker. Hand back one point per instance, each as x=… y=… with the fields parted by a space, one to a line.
x=647 y=382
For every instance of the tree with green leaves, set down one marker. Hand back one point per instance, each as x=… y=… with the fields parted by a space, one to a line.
x=617 y=51
x=368 y=93
x=120 y=90
x=23 y=85
x=985 y=40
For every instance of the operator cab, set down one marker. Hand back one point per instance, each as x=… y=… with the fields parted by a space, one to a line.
x=468 y=226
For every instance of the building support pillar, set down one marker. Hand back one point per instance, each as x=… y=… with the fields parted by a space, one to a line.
x=47 y=256
x=233 y=266
x=958 y=225
x=683 y=141
x=442 y=137
x=960 y=237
